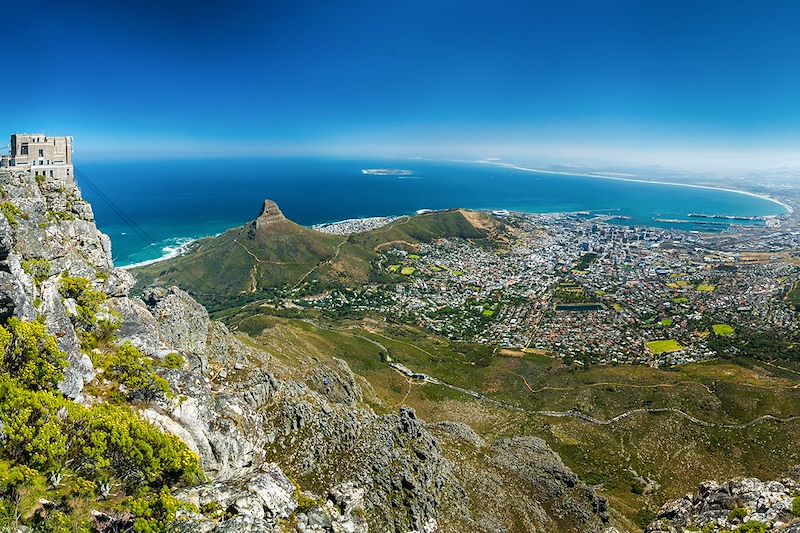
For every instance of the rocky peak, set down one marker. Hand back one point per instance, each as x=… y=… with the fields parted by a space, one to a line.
x=270 y=213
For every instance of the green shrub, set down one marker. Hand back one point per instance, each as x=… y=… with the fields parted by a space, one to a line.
x=737 y=513
x=58 y=216
x=89 y=450
x=753 y=526
x=11 y=212
x=210 y=508
x=796 y=506
x=90 y=329
x=155 y=512
x=58 y=521
x=87 y=298
x=304 y=503
x=102 y=443
x=38 y=269
x=20 y=489
x=30 y=355
x=644 y=517
x=135 y=371
x=173 y=361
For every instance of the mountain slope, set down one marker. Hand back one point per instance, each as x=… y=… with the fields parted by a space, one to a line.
x=429 y=226
x=248 y=262
x=271 y=251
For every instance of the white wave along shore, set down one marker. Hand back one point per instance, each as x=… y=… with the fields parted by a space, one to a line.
x=172 y=247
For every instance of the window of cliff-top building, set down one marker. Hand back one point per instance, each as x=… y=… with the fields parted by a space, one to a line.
x=24 y=149
x=41 y=153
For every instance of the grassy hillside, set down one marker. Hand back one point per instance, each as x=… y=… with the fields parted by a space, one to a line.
x=241 y=264
x=427 y=227
x=244 y=264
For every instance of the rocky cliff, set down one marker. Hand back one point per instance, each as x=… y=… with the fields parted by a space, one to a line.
x=281 y=452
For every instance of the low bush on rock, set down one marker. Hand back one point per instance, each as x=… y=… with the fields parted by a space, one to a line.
x=54 y=450
x=38 y=269
x=135 y=373
x=30 y=356
x=173 y=361
x=92 y=324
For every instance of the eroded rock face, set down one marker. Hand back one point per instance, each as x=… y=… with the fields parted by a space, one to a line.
x=55 y=223
x=182 y=322
x=392 y=457
x=336 y=382
x=16 y=287
x=257 y=500
x=138 y=326
x=532 y=460
x=717 y=507
x=49 y=222
x=547 y=496
x=236 y=415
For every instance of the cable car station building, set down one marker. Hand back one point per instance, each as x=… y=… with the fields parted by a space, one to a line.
x=43 y=155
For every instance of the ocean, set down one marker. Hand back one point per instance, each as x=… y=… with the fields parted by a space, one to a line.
x=152 y=208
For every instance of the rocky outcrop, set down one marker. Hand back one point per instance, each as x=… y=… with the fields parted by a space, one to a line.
x=518 y=484
x=138 y=326
x=55 y=223
x=236 y=415
x=16 y=287
x=257 y=501
x=270 y=213
x=393 y=457
x=727 y=506
x=264 y=500
x=533 y=461
x=46 y=220
x=182 y=322
x=336 y=382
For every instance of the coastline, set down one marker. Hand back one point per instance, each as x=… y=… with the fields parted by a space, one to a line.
x=176 y=246
x=789 y=209
x=182 y=244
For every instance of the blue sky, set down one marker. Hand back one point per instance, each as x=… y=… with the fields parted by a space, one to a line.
x=564 y=79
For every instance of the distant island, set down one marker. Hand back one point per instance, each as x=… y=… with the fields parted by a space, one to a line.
x=387 y=172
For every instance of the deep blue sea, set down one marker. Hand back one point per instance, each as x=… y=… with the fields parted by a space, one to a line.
x=173 y=202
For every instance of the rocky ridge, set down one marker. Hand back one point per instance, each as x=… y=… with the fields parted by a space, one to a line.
x=281 y=452
x=746 y=504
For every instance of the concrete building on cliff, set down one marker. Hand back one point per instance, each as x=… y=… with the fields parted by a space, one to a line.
x=42 y=155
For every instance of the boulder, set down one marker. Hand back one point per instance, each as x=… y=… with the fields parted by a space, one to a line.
x=182 y=322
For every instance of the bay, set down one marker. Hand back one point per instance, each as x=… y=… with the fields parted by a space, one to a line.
x=151 y=208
